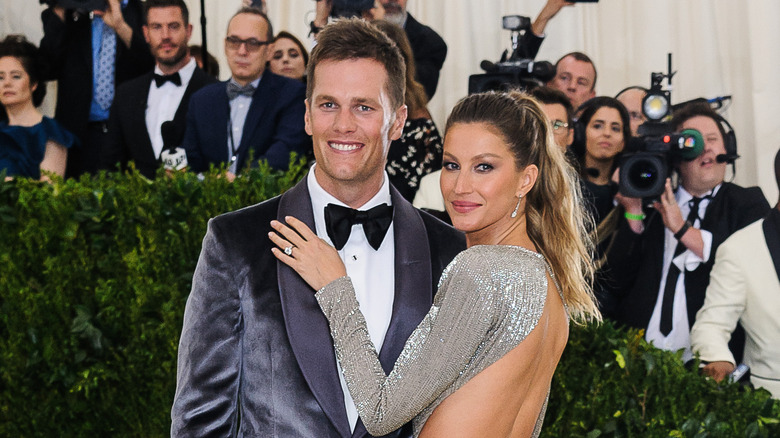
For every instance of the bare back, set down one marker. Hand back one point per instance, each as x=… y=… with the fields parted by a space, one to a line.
x=506 y=398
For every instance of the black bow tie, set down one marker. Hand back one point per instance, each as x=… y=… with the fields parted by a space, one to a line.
x=162 y=79
x=375 y=221
x=234 y=90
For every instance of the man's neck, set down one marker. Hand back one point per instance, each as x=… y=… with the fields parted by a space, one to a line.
x=171 y=69
x=244 y=82
x=353 y=195
x=699 y=192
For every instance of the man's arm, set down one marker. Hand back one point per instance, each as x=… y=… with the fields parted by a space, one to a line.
x=52 y=46
x=289 y=132
x=191 y=140
x=723 y=305
x=115 y=150
x=208 y=368
x=532 y=39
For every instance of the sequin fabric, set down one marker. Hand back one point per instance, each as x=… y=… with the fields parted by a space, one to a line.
x=489 y=299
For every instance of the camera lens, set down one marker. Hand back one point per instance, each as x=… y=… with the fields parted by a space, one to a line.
x=642 y=175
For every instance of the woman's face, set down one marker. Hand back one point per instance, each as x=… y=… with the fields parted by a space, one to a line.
x=479 y=179
x=15 y=84
x=604 y=135
x=287 y=59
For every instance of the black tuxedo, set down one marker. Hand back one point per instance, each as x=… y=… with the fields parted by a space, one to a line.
x=429 y=50
x=127 y=130
x=636 y=260
x=255 y=343
x=66 y=52
x=274 y=125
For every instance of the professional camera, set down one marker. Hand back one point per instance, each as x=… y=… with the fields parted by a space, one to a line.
x=512 y=71
x=350 y=8
x=652 y=155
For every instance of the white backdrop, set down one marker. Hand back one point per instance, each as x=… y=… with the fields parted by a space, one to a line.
x=719 y=47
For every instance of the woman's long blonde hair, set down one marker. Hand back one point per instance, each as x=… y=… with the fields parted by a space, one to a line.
x=556 y=220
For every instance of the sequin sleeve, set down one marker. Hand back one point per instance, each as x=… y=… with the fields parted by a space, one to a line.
x=445 y=346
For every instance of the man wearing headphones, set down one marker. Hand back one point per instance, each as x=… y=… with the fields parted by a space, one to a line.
x=661 y=258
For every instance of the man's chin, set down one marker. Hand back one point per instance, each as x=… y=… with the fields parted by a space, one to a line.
x=396 y=18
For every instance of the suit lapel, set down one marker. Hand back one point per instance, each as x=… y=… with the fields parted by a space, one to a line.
x=413 y=296
x=260 y=101
x=307 y=327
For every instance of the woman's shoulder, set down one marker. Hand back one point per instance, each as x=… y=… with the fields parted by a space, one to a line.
x=52 y=130
x=501 y=260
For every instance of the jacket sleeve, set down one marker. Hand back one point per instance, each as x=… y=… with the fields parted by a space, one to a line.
x=191 y=141
x=208 y=370
x=289 y=132
x=115 y=149
x=723 y=305
x=52 y=47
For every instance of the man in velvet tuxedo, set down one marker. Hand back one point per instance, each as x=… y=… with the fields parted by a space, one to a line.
x=143 y=104
x=662 y=264
x=255 y=355
x=254 y=113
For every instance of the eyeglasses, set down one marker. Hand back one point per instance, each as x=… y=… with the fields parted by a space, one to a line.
x=252 y=45
x=558 y=124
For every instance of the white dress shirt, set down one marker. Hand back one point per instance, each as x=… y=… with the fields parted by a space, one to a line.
x=371 y=271
x=680 y=336
x=162 y=103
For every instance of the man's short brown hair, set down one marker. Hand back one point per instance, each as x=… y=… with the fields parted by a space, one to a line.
x=352 y=39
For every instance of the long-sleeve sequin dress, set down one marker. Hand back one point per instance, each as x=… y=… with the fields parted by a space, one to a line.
x=489 y=299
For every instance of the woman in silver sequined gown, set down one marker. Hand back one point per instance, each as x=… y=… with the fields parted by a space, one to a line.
x=480 y=363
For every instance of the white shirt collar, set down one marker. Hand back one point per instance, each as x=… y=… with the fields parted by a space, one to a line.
x=185 y=72
x=320 y=198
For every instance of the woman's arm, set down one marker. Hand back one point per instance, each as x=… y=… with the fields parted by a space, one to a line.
x=54 y=161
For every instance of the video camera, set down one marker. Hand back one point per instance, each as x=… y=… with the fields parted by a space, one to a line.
x=651 y=155
x=350 y=8
x=512 y=71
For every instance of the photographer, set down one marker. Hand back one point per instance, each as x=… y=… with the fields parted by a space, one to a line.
x=662 y=257
x=90 y=53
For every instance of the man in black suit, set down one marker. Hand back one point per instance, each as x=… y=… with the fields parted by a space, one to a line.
x=255 y=355
x=428 y=47
x=662 y=264
x=254 y=113
x=143 y=104
x=89 y=58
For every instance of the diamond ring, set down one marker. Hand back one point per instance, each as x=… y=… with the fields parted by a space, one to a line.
x=288 y=250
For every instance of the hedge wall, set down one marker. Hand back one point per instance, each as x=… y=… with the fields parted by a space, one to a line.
x=94 y=275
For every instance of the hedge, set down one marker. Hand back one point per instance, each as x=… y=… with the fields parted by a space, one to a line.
x=94 y=276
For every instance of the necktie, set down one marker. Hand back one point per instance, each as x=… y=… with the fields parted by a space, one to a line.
x=674 y=273
x=375 y=221
x=175 y=79
x=104 y=79
x=234 y=90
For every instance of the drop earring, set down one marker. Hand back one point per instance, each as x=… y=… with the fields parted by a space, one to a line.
x=517 y=207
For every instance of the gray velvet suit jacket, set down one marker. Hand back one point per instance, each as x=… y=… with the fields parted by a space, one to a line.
x=255 y=356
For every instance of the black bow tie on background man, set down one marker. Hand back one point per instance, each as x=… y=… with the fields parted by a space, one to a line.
x=234 y=90
x=175 y=79
x=375 y=221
